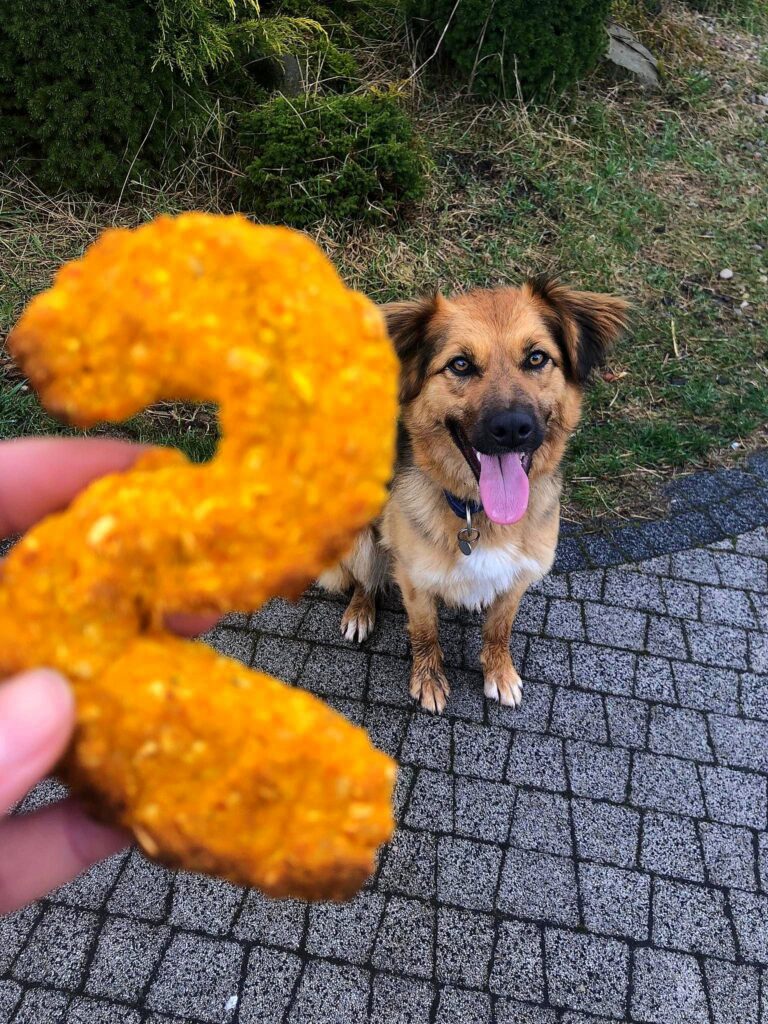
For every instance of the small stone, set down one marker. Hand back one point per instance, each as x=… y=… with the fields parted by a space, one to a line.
x=726 y=274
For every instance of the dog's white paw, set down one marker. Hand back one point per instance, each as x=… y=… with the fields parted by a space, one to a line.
x=505 y=686
x=357 y=622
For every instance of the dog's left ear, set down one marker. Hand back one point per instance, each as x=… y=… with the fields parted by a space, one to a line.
x=585 y=324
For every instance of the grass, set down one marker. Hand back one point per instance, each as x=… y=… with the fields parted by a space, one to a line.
x=648 y=195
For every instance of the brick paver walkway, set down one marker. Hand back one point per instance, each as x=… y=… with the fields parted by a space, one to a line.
x=599 y=855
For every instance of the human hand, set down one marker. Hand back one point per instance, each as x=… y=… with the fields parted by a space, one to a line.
x=44 y=849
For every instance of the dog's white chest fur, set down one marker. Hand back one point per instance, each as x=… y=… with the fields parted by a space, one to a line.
x=474 y=580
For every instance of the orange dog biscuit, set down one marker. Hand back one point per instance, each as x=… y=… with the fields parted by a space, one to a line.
x=214 y=767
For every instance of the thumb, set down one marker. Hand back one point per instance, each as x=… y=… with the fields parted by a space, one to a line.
x=37 y=714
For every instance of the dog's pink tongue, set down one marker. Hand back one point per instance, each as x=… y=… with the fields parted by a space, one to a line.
x=503 y=487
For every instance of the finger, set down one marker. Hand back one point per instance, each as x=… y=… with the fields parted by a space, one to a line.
x=47 y=848
x=190 y=625
x=37 y=714
x=42 y=474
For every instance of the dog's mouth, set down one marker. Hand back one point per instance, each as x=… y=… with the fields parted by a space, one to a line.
x=502 y=479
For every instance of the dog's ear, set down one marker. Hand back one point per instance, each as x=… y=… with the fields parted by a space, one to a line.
x=408 y=324
x=585 y=324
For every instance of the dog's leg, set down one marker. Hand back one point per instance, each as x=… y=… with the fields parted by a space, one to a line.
x=500 y=679
x=428 y=683
x=357 y=621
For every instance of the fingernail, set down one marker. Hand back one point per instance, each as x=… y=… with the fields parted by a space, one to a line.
x=35 y=708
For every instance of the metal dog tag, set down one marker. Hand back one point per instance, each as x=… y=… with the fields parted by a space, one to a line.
x=468 y=536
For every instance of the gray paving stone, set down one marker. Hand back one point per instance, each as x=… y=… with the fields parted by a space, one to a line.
x=710 y=689
x=235 y=643
x=579 y=716
x=721 y=606
x=280 y=617
x=14 y=931
x=758 y=652
x=605 y=832
x=660 y=566
x=587 y=584
x=345 y=931
x=518 y=968
x=696 y=566
x=204 y=903
x=274 y=922
x=762 y=860
x=269 y=983
x=541 y=821
x=635 y=590
x=740 y=744
x=627 y=721
x=509 y=1011
x=753 y=543
x=427 y=742
x=408 y=864
x=467 y=699
x=458 y=1006
x=464 y=947
x=126 y=955
x=665 y=637
x=280 y=657
x=42 y=1006
x=98 y=1011
x=666 y=784
x=679 y=732
x=616 y=902
x=670 y=847
x=400 y=1000
x=585 y=972
x=143 y=890
x=537 y=760
x=386 y=726
x=336 y=672
x=531 y=614
x=668 y=988
x=742 y=571
x=682 y=599
x=352 y=710
x=404 y=786
x=390 y=636
x=691 y=918
x=406 y=938
x=479 y=750
x=721 y=646
x=615 y=627
x=654 y=680
x=89 y=890
x=388 y=681
x=10 y=997
x=539 y=886
x=48 y=791
x=603 y=669
x=330 y=994
x=484 y=809
x=596 y=771
x=547 y=661
x=733 y=992
x=564 y=620
x=57 y=951
x=733 y=797
x=467 y=873
x=552 y=585
x=534 y=714
x=197 y=976
x=431 y=803
x=750 y=918
x=729 y=855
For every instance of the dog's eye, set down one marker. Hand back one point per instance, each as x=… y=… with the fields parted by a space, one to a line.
x=537 y=359
x=460 y=366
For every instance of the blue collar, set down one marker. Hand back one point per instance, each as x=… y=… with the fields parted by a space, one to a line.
x=459 y=507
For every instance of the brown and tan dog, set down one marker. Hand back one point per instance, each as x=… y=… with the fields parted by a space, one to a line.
x=491 y=390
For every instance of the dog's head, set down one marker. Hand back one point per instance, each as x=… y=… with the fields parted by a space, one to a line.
x=492 y=380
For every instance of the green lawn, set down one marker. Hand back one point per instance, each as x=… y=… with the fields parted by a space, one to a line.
x=646 y=195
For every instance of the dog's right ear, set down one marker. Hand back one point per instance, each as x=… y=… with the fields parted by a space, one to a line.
x=409 y=327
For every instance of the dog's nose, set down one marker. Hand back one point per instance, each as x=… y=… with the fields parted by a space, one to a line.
x=511 y=428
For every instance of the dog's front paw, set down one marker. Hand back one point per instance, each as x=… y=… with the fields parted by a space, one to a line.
x=502 y=683
x=357 y=621
x=430 y=688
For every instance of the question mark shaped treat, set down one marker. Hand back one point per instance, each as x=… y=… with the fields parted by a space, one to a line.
x=214 y=767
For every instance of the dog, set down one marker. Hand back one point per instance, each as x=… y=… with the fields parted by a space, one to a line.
x=490 y=391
